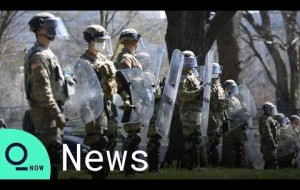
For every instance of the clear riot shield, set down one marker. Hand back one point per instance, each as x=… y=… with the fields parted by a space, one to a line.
x=87 y=100
x=135 y=83
x=206 y=95
x=241 y=114
x=151 y=66
x=286 y=142
x=166 y=107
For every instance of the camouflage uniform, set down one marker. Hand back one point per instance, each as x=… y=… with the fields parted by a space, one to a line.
x=106 y=122
x=190 y=94
x=154 y=143
x=233 y=142
x=268 y=140
x=216 y=115
x=286 y=143
x=126 y=60
x=44 y=83
x=101 y=131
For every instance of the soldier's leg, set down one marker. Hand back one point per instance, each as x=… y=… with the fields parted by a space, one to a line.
x=213 y=153
x=112 y=135
x=191 y=137
x=131 y=144
x=100 y=146
x=203 y=156
x=97 y=139
x=112 y=126
x=55 y=154
x=270 y=158
x=153 y=152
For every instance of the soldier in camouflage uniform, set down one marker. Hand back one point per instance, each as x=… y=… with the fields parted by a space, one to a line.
x=45 y=86
x=127 y=60
x=286 y=142
x=190 y=93
x=154 y=143
x=216 y=115
x=295 y=120
x=233 y=142
x=268 y=135
x=102 y=131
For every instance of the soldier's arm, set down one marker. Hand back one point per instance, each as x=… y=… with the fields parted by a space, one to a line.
x=42 y=92
x=270 y=123
x=188 y=95
x=125 y=62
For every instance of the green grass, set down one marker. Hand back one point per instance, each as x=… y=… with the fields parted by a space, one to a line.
x=205 y=173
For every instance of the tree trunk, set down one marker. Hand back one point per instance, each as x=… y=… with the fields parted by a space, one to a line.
x=282 y=93
x=289 y=18
x=228 y=41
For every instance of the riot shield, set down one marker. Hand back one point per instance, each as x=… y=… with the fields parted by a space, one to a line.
x=87 y=101
x=151 y=65
x=166 y=107
x=156 y=53
x=241 y=114
x=286 y=142
x=135 y=83
x=206 y=95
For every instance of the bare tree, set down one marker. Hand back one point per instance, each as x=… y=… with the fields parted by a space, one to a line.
x=286 y=79
x=194 y=30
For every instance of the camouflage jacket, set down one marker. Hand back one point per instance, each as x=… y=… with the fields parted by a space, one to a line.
x=44 y=80
x=105 y=70
x=268 y=130
x=126 y=60
x=217 y=98
x=190 y=93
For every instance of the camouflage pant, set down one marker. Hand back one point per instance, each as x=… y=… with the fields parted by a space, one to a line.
x=55 y=155
x=130 y=145
x=153 y=151
x=269 y=155
x=233 y=148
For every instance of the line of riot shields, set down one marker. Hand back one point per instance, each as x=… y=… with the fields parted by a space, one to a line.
x=140 y=85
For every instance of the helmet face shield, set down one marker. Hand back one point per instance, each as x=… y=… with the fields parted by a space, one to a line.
x=190 y=62
x=271 y=110
x=55 y=28
x=105 y=47
x=232 y=89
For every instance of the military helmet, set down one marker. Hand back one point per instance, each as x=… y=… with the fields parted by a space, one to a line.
x=231 y=87
x=295 y=119
x=93 y=32
x=190 y=60
x=53 y=25
x=38 y=20
x=216 y=70
x=280 y=118
x=269 y=108
x=129 y=34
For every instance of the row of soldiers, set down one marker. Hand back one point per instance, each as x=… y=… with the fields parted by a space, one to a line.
x=98 y=80
x=280 y=138
x=95 y=76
